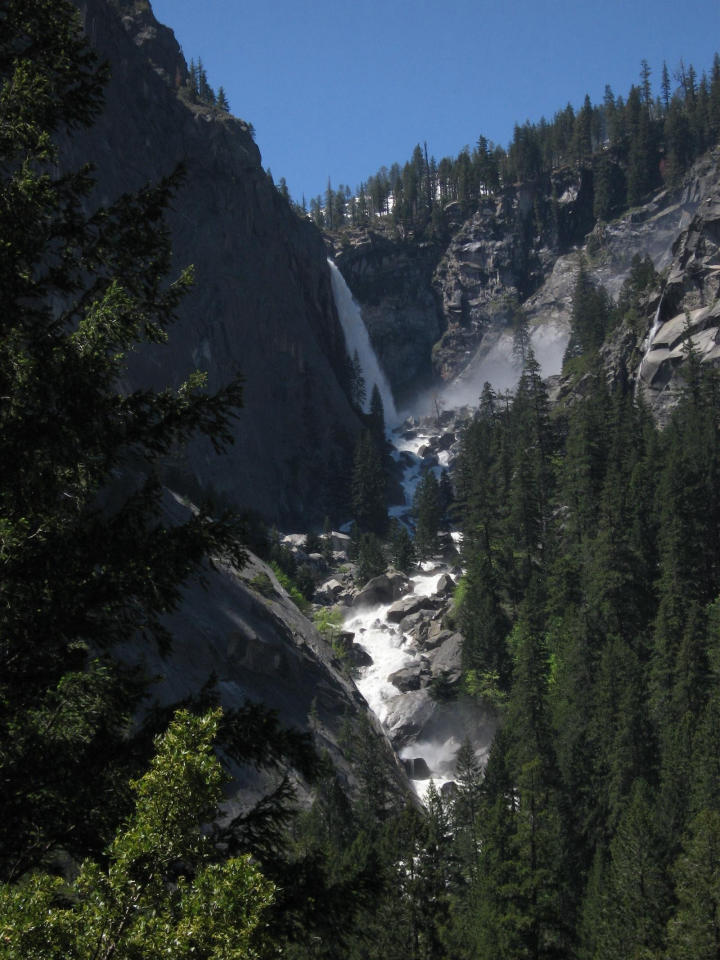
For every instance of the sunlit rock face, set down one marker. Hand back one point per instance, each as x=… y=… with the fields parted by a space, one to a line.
x=688 y=313
x=262 y=303
x=240 y=630
x=469 y=280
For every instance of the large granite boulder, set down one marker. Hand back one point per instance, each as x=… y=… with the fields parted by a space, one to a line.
x=446 y=660
x=411 y=677
x=417 y=768
x=408 y=606
x=384 y=588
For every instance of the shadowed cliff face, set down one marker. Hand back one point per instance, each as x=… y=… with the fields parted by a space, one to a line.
x=262 y=303
x=391 y=279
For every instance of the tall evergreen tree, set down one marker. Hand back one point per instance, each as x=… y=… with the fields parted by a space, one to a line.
x=368 y=487
x=87 y=559
x=428 y=512
x=222 y=100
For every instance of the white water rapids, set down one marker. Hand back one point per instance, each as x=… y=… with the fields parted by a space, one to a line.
x=419 y=726
x=657 y=323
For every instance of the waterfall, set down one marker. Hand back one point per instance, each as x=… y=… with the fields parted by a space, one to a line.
x=357 y=340
x=657 y=323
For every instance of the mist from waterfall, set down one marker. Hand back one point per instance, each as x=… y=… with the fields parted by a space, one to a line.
x=495 y=362
x=357 y=341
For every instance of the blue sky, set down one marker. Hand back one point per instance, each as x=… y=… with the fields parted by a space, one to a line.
x=337 y=89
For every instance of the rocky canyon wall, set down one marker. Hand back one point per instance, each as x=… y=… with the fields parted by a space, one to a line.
x=262 y=303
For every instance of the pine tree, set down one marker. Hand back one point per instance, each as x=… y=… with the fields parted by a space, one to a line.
x=368 y=487
x=376 y=416
x=222 y=100
x=205 y=92
x=358 y=389
x=193 y=83
x=401 y=546
x=466 y=808
x=638 y=891
x=694 y=930
x=665 y=86
x=371 y=559
x=428 y=513
x=86 y=558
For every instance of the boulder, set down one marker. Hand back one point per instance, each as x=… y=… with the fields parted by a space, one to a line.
x=408 y=678
x=447 y=659
x=340 y=542
x=416 y=623
x=383 y=589
x=359 y=657
x=407 y=606
x=296 y=541
x=435 y=636
x=356 y=655
x=444 y=441
x=330 y=591
x=445 y=586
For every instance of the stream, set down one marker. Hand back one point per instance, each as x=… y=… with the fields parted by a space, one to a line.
x=412 y=679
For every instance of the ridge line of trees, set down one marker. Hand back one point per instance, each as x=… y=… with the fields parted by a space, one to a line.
x=633 y=145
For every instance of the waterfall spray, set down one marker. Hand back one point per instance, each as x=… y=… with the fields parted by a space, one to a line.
x=357 y=341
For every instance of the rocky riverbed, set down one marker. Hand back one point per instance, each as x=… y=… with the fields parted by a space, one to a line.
x=398 y=638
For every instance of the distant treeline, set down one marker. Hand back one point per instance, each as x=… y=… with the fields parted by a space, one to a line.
x=632 y=145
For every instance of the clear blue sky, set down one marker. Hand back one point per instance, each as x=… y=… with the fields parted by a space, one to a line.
x=337 y=89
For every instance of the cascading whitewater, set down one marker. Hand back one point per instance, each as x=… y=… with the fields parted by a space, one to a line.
x=648 y=345
x=357 y=341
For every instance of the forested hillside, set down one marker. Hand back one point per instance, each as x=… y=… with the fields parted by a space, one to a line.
x=586 y=610
x=629 y=146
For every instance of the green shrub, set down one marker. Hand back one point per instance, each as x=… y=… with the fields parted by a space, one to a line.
x=291 y=588
x=328 y=621
x=264 y=585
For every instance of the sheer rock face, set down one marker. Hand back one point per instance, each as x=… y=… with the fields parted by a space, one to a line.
x=262 y=304
x=427 y=302
x=688 y=313
x=480 y=268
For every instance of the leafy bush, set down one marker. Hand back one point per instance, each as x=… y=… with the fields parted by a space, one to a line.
x=162 y=893
x=328 y=621
x=291 y=588
x=264 y=585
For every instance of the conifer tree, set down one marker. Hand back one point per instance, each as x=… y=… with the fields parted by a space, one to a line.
x=428 y=513
x=401 y=546
x=368 y=487
x=86 y=558
x=358 y=389
x=376 y=416
x=694 y=930
x=222 y=100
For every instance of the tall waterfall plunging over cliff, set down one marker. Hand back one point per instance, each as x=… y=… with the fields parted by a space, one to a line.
x=358 y=341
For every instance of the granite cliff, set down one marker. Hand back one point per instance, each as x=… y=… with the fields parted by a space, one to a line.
x=262 y=306
x=460 y=289
x=262 y=303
